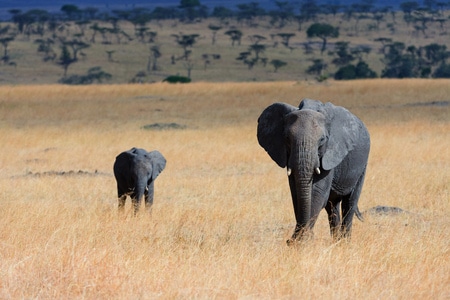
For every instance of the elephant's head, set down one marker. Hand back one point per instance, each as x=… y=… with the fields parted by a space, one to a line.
x=147 y=165
x=308 y=140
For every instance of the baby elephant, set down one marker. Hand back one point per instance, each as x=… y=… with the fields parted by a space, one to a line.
x=135 y=171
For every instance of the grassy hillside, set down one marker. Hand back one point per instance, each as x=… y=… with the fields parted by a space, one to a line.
x=129 y=57
x=222 y=208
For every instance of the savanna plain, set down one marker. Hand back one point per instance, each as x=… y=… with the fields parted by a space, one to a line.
x=222 y=210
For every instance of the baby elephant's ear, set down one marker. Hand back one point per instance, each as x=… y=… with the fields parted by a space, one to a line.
x=158 y=163
x=270 y=132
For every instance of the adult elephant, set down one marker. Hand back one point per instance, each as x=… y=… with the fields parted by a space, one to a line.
x=325 y=149
x=135 y=171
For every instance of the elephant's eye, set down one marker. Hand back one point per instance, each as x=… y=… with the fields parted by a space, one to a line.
x=322 y=141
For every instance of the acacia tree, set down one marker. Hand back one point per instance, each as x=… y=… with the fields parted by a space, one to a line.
x=276 y=63
x=76 y=46
x=235 y=36
x=190 y=9
x=186 y=41
x=285 y=38
x=214 y=29
x=45 y=46
x=65 y=59
x=322 y=31
x=5 y=40
x=155 y=53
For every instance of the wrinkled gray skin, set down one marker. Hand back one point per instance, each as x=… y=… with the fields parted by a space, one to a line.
x=135 y=171
x=325 y=149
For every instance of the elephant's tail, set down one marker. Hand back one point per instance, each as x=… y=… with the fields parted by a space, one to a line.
x=359 y=214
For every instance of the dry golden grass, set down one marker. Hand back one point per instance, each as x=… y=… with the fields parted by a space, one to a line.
x=222 y=209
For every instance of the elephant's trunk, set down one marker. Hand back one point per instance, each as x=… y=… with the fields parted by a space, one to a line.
x=138 y=194
x=301 y=180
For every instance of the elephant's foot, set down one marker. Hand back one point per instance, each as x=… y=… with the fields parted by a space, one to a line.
x=300 y=234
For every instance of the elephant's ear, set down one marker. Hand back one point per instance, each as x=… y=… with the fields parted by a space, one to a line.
x=343 y=131
x=270 y=131
x=312 y=105
x=158 y=163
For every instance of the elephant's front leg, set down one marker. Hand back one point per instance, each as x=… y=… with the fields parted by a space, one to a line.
x=122 y=199
x=149 y=192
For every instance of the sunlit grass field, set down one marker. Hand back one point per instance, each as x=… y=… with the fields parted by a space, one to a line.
x=222 y=208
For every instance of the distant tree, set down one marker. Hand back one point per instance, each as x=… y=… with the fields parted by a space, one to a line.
x=110 y=54
x=317 y=67
x=155 y=53
x=436 y=54
x=384 y=42
x=152 y=36
x=140 y=19
x=282 y=15
x=248 y=12
x=347 y=72
x=189 y=66
x=309 y=10
x=140 y=77
x=214 y=29
x=82 y=24
x=186 y=41
x=95 y=29
x=246 y=58
x=95 y=74
x=90 y=12
x=5 y=39
x=222 y=13
x=72 y=11
x=401 y=62
x=164 y=13
x=430 y=4
x=65 y=59
x=192 y=9
x=360 y=71
x=342 y=51
x=276 y=63
x=45 y=46
x=443 y=71
x=331 y=8
x=20 y=19
x=285 y=38
x=5 y=42
x=322 y=31
x=256 y=38
x=76 y=46
x=257 y=49
x=363 y=71
x=408 y=7
x=38 y=18
x=235 y=36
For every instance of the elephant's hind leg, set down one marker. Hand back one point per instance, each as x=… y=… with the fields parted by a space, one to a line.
x=334 y=219
x=334 y=214
x=350 y=207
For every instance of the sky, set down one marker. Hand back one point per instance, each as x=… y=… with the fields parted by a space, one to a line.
x=55 y=5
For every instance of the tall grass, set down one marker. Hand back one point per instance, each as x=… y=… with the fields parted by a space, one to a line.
x=222 y=208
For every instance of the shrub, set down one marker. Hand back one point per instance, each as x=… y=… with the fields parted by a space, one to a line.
x=346 y=73
x=177 y=79
x=443 y=71
x=360 y=71
x=93 y=74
